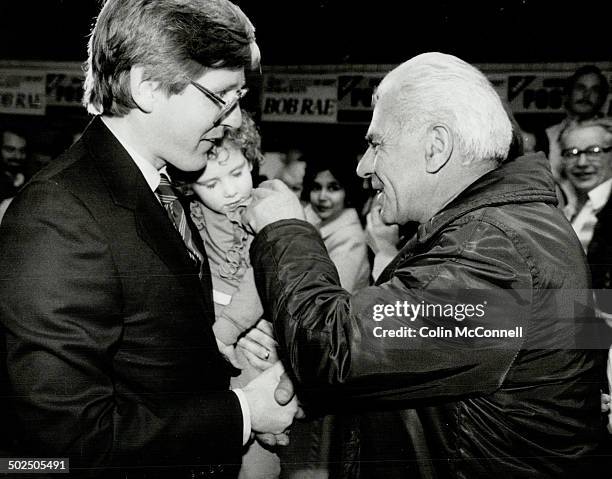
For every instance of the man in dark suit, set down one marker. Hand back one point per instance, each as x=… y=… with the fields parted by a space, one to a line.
x=105 y=295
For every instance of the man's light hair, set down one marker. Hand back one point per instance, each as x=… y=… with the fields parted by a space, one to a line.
x=174 y=40
x=439 y=88
x=605 y=123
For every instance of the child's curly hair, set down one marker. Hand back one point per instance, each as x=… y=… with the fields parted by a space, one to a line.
x=248 y=139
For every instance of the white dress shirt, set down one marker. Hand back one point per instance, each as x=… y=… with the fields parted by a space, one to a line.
x=584 y=225
x=584 y=221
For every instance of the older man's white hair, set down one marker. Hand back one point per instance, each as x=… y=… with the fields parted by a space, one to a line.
x=439 y=88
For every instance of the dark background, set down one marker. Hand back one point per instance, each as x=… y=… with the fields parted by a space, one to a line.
x=310 y=32
x=347 y=31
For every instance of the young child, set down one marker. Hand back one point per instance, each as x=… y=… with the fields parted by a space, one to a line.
x=223 y=190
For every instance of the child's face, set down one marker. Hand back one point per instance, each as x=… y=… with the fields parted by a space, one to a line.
x=226 y=181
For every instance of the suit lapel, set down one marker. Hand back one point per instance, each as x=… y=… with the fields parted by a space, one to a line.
x=129 y=189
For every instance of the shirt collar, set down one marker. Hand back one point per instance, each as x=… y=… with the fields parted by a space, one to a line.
x=150 y=173
x=600 y=194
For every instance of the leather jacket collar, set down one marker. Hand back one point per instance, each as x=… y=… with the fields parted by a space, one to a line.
x=522 y=180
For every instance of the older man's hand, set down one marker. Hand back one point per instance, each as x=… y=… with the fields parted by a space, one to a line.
x=381 y=238
x=267 y=414
x=272 y=201
x=284 y=394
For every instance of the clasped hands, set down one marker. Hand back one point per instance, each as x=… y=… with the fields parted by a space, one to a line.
x=271 y=396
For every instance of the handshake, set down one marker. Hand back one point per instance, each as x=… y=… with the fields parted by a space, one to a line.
x=270 y=395
x=273 y=405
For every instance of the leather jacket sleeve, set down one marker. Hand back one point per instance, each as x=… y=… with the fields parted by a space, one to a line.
x=327 y=333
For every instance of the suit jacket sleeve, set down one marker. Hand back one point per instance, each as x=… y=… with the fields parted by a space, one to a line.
x=62 y=310
x=328 y=334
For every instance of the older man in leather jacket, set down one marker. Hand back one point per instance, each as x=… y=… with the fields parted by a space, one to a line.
x=490 y=241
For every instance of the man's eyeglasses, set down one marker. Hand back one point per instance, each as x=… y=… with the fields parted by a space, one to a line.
x=592 y=152
x=225 y=106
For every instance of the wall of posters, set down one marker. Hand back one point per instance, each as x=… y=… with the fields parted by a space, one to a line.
x=22 y=92
x=528 y=88
x=324 y=94
x=64 y=88
x=31 y=88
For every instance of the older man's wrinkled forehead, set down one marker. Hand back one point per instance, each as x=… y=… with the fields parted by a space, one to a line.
x=384 y=101
x=382 y=89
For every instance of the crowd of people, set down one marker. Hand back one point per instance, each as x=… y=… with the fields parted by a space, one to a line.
x=166 y=311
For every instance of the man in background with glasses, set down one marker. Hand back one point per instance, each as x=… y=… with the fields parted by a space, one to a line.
x=106 y=293
x=586 y=92
x=586 y=150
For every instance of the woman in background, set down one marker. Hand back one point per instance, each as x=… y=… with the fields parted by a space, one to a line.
x=332 y=191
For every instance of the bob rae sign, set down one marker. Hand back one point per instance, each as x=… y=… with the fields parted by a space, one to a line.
x=346 y=96
x=303 y=94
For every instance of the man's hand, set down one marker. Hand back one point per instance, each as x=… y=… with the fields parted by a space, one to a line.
x=272 y=201
x=261 y=339
x=267 y=415
x=273 y=440
x=381 y=238
x=283 y=394
x=284 y=391
x=259 y=346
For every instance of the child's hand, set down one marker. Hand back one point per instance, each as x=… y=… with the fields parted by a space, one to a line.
x=605 y=402
x=259 y=346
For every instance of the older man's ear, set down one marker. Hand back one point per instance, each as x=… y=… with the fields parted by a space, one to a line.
x=438 y=147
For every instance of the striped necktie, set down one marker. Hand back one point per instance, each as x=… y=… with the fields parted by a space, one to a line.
x=169 y=199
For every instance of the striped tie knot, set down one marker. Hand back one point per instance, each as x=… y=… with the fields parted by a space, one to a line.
x=165 y=192
x=169 y=198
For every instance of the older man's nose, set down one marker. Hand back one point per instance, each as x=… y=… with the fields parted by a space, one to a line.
x=365 y=167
